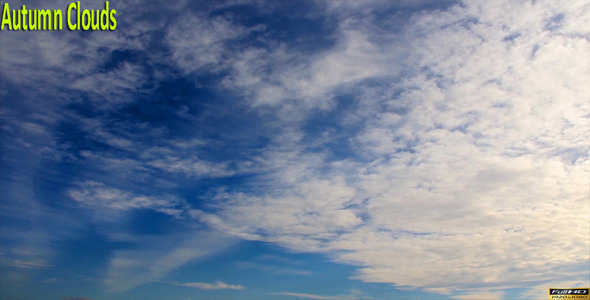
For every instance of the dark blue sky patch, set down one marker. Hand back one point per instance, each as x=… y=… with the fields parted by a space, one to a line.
x=170 y=101
x=150 y=222
x=394 y=18
x=117 y=57
x=296 y=24
x=74 y=138
x=13 y=96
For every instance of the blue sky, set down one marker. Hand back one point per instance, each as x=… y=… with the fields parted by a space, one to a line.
x=298 y=150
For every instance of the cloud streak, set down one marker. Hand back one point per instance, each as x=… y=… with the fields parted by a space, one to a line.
x=212 y=286
x=307 y=296
x=157 y=256
x=100 y=196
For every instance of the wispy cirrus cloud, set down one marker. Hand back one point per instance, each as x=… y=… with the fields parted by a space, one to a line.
x=157 y=256
x=268 y=264
x=353 y=295
x=307 y=296
x=212 y=286
x=98 y=196
x=203 y=41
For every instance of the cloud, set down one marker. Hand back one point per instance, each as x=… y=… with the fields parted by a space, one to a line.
x=199 y=41
x=192 y=167
x=213 y=286
x=156 y=256
x=469 y=161
x=272 y=269
x=354 y=294
x=482 y=296
x=28 y=264
x=307 y=296
x=98 y=195
x=281 y=79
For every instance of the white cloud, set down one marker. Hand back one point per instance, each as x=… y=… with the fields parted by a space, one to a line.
x=199 y=41
x=118 y=85
x=354 y=294
x=308 y=296
x=295 y=84
x=481 y=296
x=272 y=269
x=213 y=286
x=475 y=157
x=100 y=196
x=192 y=167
